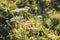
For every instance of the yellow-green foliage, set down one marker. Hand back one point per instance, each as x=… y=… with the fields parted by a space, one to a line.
x=29 y=20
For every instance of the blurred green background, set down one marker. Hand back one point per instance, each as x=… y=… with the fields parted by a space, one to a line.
x=29 y=19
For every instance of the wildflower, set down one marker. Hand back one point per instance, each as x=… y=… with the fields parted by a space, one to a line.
x=20 y=9
x=27 y=21
x=15 y=19
x=36 y=8
x=39 y=16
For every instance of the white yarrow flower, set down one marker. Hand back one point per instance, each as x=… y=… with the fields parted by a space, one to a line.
x=39 y=16
x=12 y=19
x=20 y=9
x=15 y=19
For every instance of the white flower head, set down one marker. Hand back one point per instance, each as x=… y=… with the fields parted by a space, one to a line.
x=12 y=19
x=39 y=16
x=36 y=8
x=15 y=19
x=27 y=21
x=20 y=9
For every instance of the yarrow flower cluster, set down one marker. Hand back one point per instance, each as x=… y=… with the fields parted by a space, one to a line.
x=39 y=16
x=20 y=9
x=15 y=18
